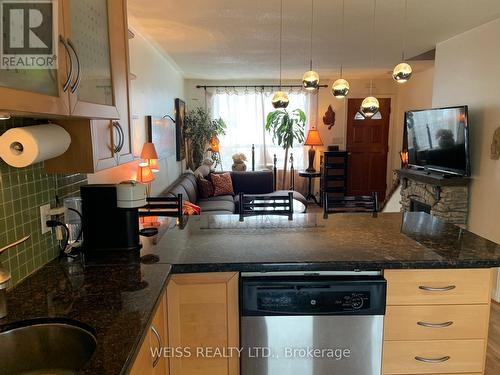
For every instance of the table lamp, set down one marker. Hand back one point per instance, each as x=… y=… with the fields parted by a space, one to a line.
x=145 y=175
x=150 y=156
x=313 y=139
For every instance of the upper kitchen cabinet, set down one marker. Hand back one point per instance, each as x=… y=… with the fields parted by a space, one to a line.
x=39 y=91
x=91 y=80
x=96 y=32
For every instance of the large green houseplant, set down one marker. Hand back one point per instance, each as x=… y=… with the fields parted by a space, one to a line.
x=286 y=128
x=199 y=127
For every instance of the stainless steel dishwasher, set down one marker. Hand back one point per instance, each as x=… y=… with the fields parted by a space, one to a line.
x=312 y=324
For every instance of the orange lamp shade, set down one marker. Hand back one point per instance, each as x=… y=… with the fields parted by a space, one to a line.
x=149 y=151
x=404 y=158
x=153 y=165
x=145 y=174
x=313 y=138
x=214 y=144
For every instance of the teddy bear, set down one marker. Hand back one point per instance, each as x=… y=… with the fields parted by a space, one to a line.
x=239 y=162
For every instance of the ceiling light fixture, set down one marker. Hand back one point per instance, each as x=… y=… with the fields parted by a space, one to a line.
x=403 y=71
x=280 y=98
x=310 y=80
x=370 y=105
x=340 y=87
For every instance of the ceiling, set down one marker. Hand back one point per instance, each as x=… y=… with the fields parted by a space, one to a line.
x=239 y=39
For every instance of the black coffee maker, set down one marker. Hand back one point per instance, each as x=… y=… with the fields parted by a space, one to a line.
x=111 y=216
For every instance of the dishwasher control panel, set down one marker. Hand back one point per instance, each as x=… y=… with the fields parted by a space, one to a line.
x=313 y=295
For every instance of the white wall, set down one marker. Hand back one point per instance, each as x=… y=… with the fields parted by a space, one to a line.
x=468 y=72
x=153 y=93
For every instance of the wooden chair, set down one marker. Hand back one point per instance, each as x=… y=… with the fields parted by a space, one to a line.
x=253 y=205
x=359 y=203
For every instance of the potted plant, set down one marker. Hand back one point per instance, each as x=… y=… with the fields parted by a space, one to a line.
x=286 y=128
x=199 y=128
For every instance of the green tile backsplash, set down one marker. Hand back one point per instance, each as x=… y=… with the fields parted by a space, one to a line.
x=22 y=192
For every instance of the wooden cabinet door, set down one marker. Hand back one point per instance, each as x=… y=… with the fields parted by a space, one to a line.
x=151 y=359
x=105 y=140
x=159 y=339
x=37 y=91
x=203 y=313
x=97 y=31
x=143 y=364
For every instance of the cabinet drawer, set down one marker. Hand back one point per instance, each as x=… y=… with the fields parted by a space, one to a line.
x=463 y=356
x=436 y=322
x=438 y=287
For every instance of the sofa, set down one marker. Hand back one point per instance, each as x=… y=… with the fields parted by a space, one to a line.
x=254 y=183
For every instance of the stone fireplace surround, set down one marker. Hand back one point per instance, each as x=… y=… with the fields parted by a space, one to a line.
x=447 y=197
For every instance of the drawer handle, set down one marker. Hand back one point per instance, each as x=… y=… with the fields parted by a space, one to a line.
x=433 y=360
x=160 y=345
x=435 y=325
x=431 y=289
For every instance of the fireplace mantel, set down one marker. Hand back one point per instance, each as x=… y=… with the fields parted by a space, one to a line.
x=432 y=178
x=447 y=196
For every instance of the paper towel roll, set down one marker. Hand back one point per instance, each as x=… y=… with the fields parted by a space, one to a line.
x=20 y=147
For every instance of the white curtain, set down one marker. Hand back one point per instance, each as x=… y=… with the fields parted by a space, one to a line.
x=245 y=113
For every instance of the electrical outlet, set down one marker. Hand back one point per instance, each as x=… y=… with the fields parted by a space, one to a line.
x=44 y=216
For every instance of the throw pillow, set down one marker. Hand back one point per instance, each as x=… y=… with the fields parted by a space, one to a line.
x=223 y=185
x=205 y=188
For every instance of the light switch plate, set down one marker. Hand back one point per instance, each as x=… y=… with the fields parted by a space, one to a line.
x=44 y=216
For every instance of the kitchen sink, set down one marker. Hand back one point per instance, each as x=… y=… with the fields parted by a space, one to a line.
x=45 y=346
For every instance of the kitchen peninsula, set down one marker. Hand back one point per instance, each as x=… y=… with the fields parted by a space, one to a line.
x=190 y=295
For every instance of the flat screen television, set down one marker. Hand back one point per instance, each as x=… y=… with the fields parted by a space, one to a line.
x=438 y=140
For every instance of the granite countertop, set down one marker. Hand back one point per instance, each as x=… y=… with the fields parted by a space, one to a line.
x=211 y=243
x=117 y=301
x=116 y=293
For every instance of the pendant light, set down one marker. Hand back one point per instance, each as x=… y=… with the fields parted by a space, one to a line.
x=403 y=71
x=310 y=80
x=370 y=105
x=280 y=98
x=340 y=87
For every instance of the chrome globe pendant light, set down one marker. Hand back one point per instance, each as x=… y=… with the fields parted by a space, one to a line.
x=370 y=105
x=280 y=98
x=310 y=80
x=340 y=87
x=403 y=71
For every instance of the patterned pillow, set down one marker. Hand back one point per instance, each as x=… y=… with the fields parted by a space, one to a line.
x=205 y=188
x=223 y=185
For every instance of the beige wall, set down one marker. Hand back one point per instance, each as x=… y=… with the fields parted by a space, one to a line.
x=468 y=72
x=153 y=93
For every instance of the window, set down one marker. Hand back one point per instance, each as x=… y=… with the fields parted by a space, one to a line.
x=245 y=115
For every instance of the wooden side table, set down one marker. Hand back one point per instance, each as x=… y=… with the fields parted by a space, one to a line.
x=310 y=176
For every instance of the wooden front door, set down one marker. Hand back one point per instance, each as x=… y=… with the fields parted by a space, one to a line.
x=367 y=144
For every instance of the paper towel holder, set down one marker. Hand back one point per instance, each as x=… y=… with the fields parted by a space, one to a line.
x=5 y=115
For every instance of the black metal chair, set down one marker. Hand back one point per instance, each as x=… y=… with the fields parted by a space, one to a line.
x=163 y=206
x=359 y=203
x=253 y=205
